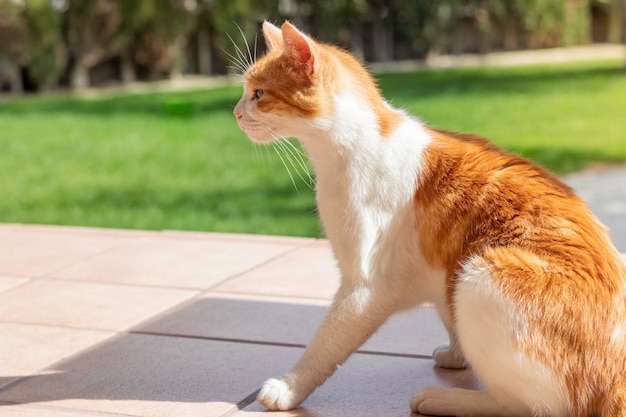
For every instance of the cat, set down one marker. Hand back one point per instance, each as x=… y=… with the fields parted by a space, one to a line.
x=523 y=276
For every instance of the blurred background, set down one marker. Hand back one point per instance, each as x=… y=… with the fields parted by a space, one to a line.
x=47 y=44
x=118 y=113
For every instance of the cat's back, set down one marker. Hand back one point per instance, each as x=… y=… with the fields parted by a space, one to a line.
x=473 y=196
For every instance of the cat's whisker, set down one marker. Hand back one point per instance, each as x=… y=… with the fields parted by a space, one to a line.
x=259 y=154
x=297 y=150
x=290 y=149
x=267 y=153
x=238 y=50
x=286 y=167
x=235 y=69
x=256 y=36
x=235 y=59
x=237 y=64
x=251 y=61
x=242 y=56
x=287 y=153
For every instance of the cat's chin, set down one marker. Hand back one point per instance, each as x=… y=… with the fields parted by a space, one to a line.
x=257 y=135
x=262 y=140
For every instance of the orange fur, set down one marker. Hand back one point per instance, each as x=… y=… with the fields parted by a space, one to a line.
x=291 y=91
x=545 y=251
x=542 y=249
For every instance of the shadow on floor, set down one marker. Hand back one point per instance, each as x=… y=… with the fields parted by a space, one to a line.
x=216 y=352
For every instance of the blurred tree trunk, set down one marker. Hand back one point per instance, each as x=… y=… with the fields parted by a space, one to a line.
x=90 y=27
x=10 y=71
x=205 y=60
x=79 y=77
x=356 y=40
x=624 y=24
x=12 y=35
x=623 y=21
x=382 y=35
x=127 y=68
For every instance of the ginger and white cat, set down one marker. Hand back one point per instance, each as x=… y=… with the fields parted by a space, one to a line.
x=523 y=276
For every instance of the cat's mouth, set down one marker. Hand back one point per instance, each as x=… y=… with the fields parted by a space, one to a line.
x=258 y=133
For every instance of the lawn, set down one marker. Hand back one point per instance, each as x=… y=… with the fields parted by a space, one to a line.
x=178 y=160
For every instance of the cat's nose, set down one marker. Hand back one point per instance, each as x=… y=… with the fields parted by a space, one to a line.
x=237 y=114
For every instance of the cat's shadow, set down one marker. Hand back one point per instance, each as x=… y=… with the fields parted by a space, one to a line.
x=219 y=351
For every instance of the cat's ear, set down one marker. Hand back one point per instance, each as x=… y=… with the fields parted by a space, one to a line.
x=299 y=47
x=273 y=36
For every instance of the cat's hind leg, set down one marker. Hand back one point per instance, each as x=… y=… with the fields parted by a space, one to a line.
x=500 y=341
x=435 y=401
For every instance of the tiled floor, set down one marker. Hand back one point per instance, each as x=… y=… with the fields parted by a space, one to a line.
x=121 y=323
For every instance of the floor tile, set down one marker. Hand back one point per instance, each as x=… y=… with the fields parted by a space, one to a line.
x=85 y=230
x=309 y=271
x=181 y=263
x=414 y=333
x=86 y=305
x=156 y=376
x=21 y=410
x=372 y=386
x=29 y=252
x=27 y=348
x=6 y=283
x=240 y=237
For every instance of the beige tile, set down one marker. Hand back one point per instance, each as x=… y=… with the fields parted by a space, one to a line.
x=88 y=231
x=309 y=271
x=10 y=226
x=240 y=237
x=6 y=283
x=415 y=333
x=86 y=305
x=156 y=376
x=372 y=386
x=26 y=348
x=21 y=410
x=30 y=252
x=174 y=262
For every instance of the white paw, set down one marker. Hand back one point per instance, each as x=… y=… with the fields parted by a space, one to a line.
x=430 y=401
x=449 y=358
x=276 y=394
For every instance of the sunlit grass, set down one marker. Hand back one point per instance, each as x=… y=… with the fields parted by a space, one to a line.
x=178 y=160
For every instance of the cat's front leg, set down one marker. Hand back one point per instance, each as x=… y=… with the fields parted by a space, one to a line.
x=351 y=320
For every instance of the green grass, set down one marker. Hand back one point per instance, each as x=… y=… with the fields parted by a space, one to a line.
x=178 y=160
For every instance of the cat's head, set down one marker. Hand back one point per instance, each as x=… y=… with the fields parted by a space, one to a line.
x=284 y=88
x=293 y=88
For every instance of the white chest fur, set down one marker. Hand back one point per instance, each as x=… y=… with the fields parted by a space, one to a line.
x=365 y=189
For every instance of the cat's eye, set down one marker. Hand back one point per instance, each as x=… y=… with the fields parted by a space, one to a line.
x=258 y=93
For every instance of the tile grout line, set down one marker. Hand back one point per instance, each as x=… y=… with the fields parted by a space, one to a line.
x=276 y=344
x=323 y=302
x=259 y=265
x=16 y=286
x=121 y=284
x=131 y=241
x=248 y=400
x=78 y=411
